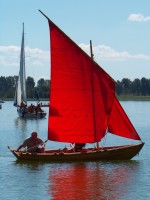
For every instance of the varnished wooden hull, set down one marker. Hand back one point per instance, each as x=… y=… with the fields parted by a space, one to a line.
x=126 y=152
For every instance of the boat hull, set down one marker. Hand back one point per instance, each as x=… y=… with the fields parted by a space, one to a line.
x=126 y=152
x=34 y=115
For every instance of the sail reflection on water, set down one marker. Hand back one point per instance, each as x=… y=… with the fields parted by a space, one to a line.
x=92 y=181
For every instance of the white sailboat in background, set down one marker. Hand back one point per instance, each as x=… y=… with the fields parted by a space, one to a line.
x=20 y=100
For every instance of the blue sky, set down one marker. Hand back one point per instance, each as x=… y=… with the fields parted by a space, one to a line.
x=119 y=31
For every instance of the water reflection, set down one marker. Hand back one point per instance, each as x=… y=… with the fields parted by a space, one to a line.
x=91 y=181
x=27 y=181
x=21 y=123
x=95 y=180
x=29 y=165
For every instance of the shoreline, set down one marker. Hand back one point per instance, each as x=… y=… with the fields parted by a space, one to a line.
x=133 y=98
x=120 y=98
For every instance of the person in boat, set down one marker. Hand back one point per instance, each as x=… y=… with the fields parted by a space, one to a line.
x=32 y=143
x=79 y=146
x=22 y=105
x=38 y=108
x=24 y=110
x=31 y=108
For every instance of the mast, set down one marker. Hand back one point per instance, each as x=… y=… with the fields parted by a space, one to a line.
x=91 y=50
x=92 y=57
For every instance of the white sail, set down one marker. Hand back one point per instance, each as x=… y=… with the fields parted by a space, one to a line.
x=18 y=99
x=20 y=94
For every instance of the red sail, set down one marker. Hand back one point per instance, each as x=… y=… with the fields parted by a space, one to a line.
x=81 y=94
x=119 y=123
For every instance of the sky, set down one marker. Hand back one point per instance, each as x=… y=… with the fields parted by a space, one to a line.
x=119 y=30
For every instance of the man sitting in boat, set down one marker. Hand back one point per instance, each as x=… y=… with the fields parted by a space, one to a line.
x=32 y=143
x=78 y=147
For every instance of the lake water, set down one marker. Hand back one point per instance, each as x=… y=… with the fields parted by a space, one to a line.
x=128 y=180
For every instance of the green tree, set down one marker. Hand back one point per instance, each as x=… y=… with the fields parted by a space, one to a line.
x=43 y=88
x=119 y=88
x=126 y=85
x=30 y=87
x=136 y=87
x=144 y=86
x=41 y=82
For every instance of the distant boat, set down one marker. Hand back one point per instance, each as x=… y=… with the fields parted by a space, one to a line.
x=20 y=100
x=83 y=99
x=2 y=101
x=45 y=105
x=0 y=106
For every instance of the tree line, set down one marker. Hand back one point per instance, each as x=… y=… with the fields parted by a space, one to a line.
x=34 y=91
x=137 y=87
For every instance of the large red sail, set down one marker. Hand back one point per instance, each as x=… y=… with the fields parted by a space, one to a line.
x=81 y=94
x=119 y=123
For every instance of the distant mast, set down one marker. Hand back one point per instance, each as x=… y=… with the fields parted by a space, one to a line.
x=22 y=69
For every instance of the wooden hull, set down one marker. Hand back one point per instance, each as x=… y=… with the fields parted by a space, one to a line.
x=34 y=115
x=126 y=152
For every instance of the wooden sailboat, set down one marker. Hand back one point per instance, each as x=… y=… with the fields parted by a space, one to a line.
x=85 y=107
x=20 y=100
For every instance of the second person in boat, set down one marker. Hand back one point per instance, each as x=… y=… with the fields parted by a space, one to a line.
x=79 y=146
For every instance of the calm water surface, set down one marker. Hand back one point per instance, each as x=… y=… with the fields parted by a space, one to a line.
x=72 y=181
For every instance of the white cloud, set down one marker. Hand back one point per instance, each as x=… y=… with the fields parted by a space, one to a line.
x=9 y=49
x=37 y=53
x=37 y=57
x=138 y=17
x=38 y=62
x=103 y=52
x=10 y=56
